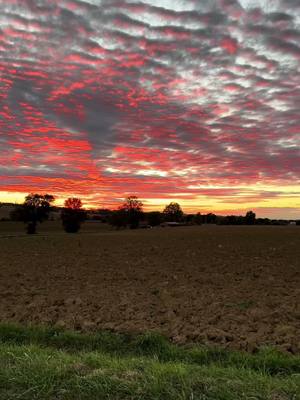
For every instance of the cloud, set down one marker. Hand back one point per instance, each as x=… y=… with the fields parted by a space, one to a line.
x=153 y=97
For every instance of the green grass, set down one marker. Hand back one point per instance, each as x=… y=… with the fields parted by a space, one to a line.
x=40 y=363
x=244 y=305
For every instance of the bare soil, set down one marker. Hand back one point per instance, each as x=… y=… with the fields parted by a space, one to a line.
x=236 y=287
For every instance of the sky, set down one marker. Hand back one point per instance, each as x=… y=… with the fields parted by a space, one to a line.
x=195 y=101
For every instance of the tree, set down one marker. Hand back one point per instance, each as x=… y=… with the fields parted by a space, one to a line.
x=210 y=218
x=73 y=203
x=72 y=215
x=250 y=218
x=198 y=219
x=36 y=208
x=133 y=210
x=173 y=212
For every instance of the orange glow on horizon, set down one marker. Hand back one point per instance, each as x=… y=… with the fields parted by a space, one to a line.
x=286 y=207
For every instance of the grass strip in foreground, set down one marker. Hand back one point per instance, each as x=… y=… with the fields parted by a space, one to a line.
x=41 y=363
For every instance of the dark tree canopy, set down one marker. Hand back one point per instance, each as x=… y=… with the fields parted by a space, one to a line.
x=250 y=218
x=210 y=218
x=198 y=219
x=36 y=208
x=173 y=212
x=133 y=210
x=72 y=215
x=39 y=201
x=132 y=203
x=73 y=203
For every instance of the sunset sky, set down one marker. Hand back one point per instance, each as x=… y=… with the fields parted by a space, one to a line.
x=195 y=101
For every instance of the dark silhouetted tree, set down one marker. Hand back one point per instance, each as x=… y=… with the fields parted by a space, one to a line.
x=198 y=219
x=36 y=208
x=173 y=212
x=210 y=218
x=72 y=215
x=188 y=219
x=73 y=203
x=250 y=218
x=133 y=209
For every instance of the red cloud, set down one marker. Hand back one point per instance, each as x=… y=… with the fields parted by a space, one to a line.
x=229 y=45
x=140 y=98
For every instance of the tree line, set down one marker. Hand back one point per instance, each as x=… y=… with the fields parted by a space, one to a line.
x=37 y=208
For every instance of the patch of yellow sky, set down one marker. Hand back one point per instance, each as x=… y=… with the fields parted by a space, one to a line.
x=202 y=203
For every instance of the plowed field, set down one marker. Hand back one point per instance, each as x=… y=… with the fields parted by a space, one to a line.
x=236 y=287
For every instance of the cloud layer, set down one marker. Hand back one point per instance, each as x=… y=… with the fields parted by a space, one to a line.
x=193 y=100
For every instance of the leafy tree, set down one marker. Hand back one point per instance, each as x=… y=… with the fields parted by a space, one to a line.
x=250 y=218
x=73 y=203
x=72 y=215
x=36 y=208
x=173 y=212
x=133 y=209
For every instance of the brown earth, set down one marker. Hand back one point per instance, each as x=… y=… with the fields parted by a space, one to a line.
x=235 y=287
